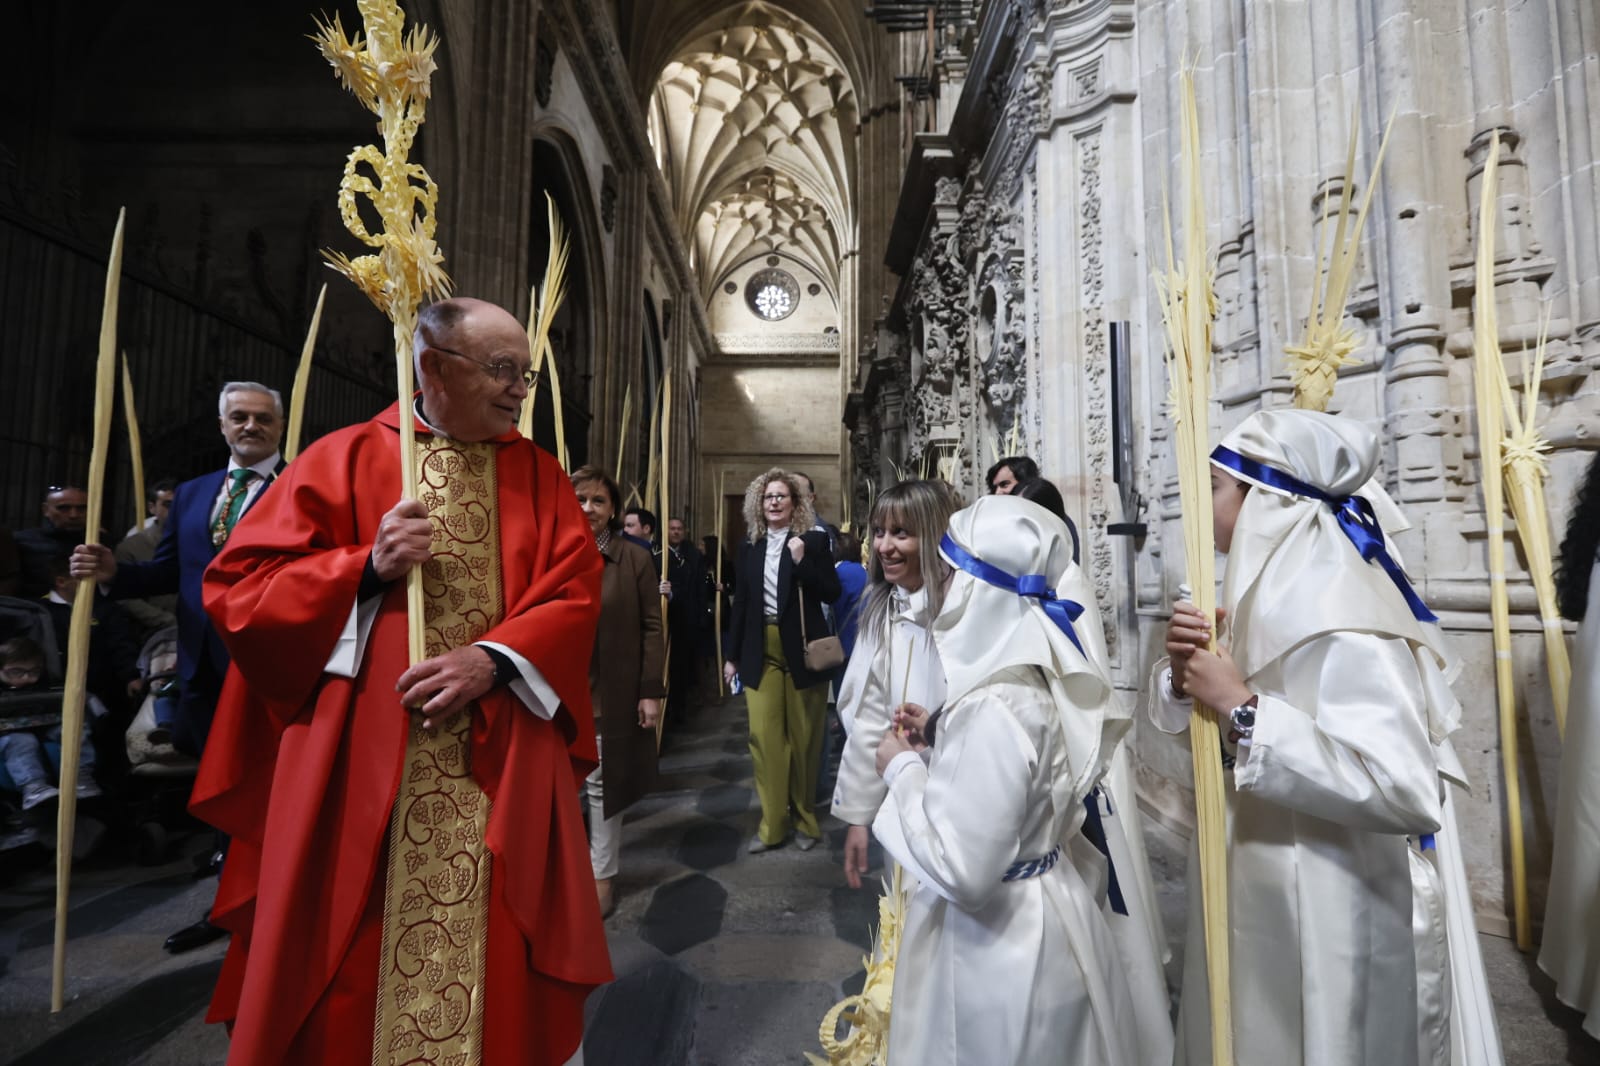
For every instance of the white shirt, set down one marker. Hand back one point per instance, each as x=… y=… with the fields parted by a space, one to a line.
x=265 y=470
x=776 y=539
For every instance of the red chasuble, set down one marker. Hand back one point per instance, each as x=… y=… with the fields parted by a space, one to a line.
x=303 y=768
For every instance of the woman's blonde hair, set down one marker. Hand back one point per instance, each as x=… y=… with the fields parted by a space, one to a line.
x=804 y=517
x=922 y=508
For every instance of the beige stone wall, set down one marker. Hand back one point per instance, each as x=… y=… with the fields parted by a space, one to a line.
x=753 y=418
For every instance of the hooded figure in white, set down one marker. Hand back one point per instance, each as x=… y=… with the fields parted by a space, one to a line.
x=1006 y=958
x=1340 y=766
x=1570 y=952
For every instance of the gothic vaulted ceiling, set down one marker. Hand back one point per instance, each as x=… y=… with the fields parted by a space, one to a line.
x=754 y=122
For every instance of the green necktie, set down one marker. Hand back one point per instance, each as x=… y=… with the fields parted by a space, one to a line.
x=232 y=505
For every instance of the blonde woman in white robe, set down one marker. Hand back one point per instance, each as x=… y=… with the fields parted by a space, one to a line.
x=1570 y=952
x=895 y=661
x=1005 y=958
x=1333 y=687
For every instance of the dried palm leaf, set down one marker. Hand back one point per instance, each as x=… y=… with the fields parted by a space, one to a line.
x=551 y=294
x=135 y=446
x=302 y=382
x=1488 y=366
x=868 y=1012
x=1188 y=305
x=390 y=72
x=1526 y=469
x=77 y=674
x=653 y=442
x=622 y=434
x=664 y=518
x=1314 y=363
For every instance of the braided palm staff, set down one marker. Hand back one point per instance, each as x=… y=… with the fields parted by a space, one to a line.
x=390 y=72
x=867 y=1012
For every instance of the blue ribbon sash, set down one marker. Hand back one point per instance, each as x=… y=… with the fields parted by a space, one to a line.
x=1094 y=830
x=1035 y=587
x=1023 y=869
x=1062 y=613
x=1355 y=515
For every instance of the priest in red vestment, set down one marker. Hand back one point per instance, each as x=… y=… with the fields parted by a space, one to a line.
x=409 y=879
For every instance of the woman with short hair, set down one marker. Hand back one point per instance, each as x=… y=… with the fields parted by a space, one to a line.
x=625 y=676
x=784 y=574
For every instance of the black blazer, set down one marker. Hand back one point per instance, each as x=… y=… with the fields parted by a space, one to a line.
x=746 y=639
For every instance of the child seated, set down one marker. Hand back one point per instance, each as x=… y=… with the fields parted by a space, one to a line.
x=1006 y=958
x=22 y=750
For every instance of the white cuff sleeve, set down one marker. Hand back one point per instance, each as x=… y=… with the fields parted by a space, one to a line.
x=1169 y=712
x=531 y=687
x=898 y=764
x=351 y=646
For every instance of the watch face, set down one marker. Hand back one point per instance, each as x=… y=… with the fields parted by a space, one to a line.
x=1245 y=717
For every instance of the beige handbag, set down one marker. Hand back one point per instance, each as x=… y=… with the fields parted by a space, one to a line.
x=824 y=653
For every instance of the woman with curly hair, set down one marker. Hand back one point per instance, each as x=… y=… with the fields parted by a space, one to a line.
x=784 y=574
x=1571 y=950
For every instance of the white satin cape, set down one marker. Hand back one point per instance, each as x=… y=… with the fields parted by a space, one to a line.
x=1340 y=770
x=870 y=690
x=995 y=973
x=1570 y=952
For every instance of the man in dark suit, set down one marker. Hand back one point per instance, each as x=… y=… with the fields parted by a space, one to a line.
x=203 y=515
x=686 y=574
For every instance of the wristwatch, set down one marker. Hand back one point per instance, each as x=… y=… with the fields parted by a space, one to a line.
x=1242 y=719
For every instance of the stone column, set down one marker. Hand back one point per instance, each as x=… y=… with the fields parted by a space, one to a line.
x=1577 y=40
x=489 y=209
x=1417 y=393
x=618 y=362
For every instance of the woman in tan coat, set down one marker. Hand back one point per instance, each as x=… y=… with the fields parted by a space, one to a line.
x=625 y=675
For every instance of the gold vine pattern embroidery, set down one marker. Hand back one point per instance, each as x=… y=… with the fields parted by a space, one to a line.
x=430 y=1005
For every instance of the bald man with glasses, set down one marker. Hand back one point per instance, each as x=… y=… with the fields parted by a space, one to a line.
x=332 y=750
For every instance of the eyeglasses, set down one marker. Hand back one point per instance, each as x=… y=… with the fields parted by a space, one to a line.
x=775 y=497
x=503 y=373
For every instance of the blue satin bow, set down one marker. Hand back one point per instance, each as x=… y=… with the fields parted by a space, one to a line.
x=1355 y=517
x=1063 y=613
x=1032 y=586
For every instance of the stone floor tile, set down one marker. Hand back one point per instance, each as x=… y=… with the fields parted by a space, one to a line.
x=684 y=913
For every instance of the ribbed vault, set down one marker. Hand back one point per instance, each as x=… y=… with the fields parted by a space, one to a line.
x=755 y=125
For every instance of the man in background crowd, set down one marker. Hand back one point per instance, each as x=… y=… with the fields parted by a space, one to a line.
x=65 y=510
x=157 y=612
x=1006 y=474
x=686 y=575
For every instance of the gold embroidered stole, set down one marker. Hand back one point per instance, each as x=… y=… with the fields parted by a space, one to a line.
x=436 y=888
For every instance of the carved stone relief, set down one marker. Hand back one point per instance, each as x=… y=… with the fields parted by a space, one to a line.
x=1098 y=554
